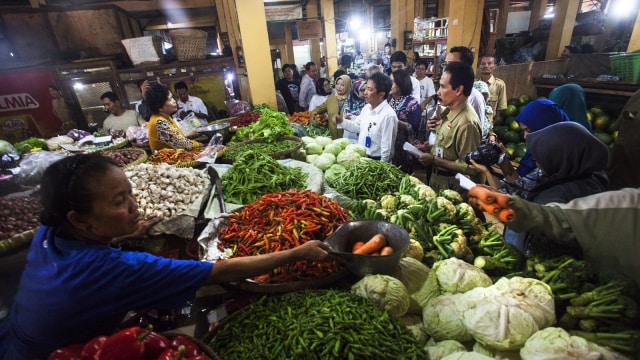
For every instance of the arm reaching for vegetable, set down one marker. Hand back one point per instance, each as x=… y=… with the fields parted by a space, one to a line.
x=606 y=226
x=241 y=268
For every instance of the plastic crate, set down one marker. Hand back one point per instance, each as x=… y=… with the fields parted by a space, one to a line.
x=627 y=65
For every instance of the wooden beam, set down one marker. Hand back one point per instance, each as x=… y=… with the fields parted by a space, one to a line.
x=501 y=21
x=331 y=47
x=465 y=25
x=634 y=41
x=562 y=25
x=538 y=10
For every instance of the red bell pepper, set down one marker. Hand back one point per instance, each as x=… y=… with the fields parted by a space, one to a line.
x=173 y=354
x=90 y=349
x=71 y=352
x=154 y=345
x=127 y=344
x=191 y=349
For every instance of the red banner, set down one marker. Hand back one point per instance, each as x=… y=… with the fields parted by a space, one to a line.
x=28 y=107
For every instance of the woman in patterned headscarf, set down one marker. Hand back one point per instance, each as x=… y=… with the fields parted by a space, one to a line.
x=334 y=104
x=354 y=104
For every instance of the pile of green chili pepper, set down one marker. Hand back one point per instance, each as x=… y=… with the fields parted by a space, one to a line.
x=368 y=180
x=315 y=325
x=282 y=221
x=259 y=147
x=254 y=174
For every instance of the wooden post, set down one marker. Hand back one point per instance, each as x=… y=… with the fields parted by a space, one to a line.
x=331 y=51
x=564 y=20
x=465 y=25
x=287 y=57
x=314 y=44
x=402 y=16
x=538 y=10
x=253 y=23
x=503 y=13
x=443 y=8
x=634 y=41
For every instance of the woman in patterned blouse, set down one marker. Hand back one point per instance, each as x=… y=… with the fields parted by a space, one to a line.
x=164 y=132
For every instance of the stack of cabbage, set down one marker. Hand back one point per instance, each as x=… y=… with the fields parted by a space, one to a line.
x=331 y=156
x=456 y=311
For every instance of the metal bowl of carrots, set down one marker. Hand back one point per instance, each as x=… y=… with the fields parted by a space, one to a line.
x=369 y=246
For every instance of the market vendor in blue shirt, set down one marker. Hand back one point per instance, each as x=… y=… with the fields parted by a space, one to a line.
x=76 y=285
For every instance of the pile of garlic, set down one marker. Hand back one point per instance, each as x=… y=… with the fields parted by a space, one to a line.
x=164 y=190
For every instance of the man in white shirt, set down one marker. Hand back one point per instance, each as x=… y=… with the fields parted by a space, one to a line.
x=377 y=123
x=308 y=85
x=399 y=62
x=119 y=118
x=189 y=104
x=427 y=89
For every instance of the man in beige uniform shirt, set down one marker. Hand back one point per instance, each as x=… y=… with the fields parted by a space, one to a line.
x=458 y=133
x=497 y=88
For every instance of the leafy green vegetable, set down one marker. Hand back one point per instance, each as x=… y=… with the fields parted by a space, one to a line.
x=270 y=126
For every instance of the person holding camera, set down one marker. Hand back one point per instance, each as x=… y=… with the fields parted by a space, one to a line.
x=458 y=130
x=572 y=163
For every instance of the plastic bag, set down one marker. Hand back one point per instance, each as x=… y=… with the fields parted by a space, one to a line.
x=187 y=127
x=138 y=134
x=9 y=158
x=237 y=107
x=77 y=134
x=34 y=164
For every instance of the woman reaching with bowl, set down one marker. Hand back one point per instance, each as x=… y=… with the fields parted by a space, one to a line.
x=77 y=284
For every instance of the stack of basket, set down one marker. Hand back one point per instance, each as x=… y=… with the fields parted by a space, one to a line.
x=189 y=44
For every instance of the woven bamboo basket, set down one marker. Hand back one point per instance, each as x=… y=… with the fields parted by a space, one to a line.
x=189 y=44
x=141 y=158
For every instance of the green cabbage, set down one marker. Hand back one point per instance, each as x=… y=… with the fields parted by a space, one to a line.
x=306 y=140
x=461 y=355
x=311 y=158
x=556 y=343
x=347 y=158
x=386 y=292
x=451 y=276
x=343 y=142
x=443 y=318
x=334 y=149
x=6 y=147
x=438 y=350
x=334 y=172
x=323 y=140
x=324 y=161
x=313 y=149
x=413 y=273
x=361 y=150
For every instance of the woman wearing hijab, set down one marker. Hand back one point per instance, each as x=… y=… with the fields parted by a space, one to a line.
x=323 y=89
x=572 y=162
x=354 y=105
x=535 y=116
x=334 y=105
x=570 y=98
x=409 y=114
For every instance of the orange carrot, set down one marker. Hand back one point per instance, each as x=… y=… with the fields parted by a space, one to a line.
x=387 y=250
x=377 y=242
x=375 y=253
x=504 y=200
x=483 y=194
x=492 y=209
x=357 y=246
x=506 y=215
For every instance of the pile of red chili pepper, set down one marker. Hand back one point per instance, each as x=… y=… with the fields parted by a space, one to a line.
x=244 y=119
x=176 y=157
x=282 y=221
x=133 y=343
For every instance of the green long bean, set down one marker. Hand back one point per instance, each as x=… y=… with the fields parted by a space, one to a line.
x=368 y=179
x=328 y=324
x=255 y=174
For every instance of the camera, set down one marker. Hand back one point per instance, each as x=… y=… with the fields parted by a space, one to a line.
x=487 y=154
